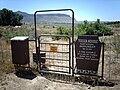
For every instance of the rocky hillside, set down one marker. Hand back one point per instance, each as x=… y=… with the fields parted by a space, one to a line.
x=46 y=18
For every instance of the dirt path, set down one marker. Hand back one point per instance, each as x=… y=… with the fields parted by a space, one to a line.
x=12 y=82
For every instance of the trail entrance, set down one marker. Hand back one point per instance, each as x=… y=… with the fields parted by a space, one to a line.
x=52 y=55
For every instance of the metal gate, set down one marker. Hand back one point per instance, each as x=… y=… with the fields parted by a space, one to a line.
x=52 y=55
x=55 y=55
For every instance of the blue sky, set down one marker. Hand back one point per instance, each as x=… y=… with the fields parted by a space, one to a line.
x=105 y=10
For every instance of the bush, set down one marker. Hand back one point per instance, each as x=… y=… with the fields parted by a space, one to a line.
x=86 y=28
x=96 y=28
x=10 y=32
x=62 y=31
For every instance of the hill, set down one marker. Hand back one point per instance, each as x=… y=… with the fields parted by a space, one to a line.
x=46 y=18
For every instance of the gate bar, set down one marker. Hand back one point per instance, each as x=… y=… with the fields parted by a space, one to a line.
x=55 y=59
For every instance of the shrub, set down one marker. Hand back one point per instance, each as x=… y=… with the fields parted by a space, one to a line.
x=62 y=31
x=10 y=32
x=96 y=28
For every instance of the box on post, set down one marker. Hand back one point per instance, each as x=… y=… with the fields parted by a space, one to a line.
x=20 y=50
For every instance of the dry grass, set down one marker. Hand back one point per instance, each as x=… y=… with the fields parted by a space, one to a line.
x=6 y=65
x=112 y=57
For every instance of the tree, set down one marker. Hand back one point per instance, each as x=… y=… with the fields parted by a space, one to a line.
x=8 y=17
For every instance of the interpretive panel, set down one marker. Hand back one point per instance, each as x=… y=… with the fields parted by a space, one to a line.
x=87 y=50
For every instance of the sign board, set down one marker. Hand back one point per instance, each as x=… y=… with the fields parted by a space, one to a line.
x=53 y=48
x=87 y=50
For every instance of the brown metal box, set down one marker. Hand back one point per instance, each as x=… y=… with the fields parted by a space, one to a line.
x=20 y=50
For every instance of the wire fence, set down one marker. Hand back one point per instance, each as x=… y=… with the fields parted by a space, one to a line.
x=112 y=57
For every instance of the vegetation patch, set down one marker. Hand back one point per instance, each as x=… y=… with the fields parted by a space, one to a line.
x=86 y=28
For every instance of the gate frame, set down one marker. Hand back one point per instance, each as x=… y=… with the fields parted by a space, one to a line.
x=36 y=36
